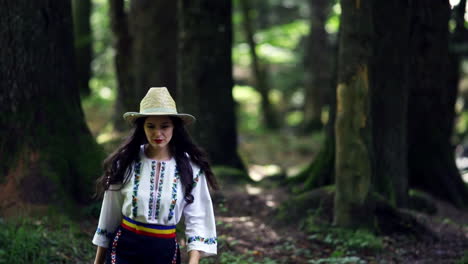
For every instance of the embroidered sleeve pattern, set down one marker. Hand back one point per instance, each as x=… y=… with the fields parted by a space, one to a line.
x=200 y=226
x=103 y=232
x=208 y=241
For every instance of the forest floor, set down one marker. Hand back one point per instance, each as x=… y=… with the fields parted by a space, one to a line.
x=247 y=226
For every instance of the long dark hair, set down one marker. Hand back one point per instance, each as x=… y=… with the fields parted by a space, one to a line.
x=117 y=165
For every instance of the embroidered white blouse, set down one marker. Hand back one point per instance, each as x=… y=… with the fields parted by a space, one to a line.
x=160 y=200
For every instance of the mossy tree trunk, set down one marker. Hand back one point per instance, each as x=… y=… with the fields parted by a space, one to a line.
x=48 y=154
x=259 y=71
x=146 y=50
x=83 y=43
x=318 y=64
x=432 y=101
x=352 y=126
x=205 y=77
x=389 y=99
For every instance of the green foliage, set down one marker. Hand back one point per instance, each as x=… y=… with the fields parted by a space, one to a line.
x=464 y=259
x=338 y=260
x=344 y=240
x=236 y=258
x=47 y=240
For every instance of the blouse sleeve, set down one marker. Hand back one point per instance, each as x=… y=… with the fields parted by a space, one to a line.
x=110 y=217
x=200 y=227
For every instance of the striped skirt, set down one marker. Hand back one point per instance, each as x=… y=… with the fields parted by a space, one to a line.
x=134 y=242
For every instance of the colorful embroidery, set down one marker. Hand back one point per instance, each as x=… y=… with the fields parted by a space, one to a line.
x=197 y=178
x=136 y=184
x=160 y=186
x=103 y=232
x=174 y=259
x=208 y=241
x=174 y=194
x=151 y=199
x=114 y=247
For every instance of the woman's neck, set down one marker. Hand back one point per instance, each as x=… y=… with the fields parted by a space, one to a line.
x=157 y=154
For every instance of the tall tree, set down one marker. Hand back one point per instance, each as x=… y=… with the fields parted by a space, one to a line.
x=318 y=64
x=146 y=50
x=259 y=71
x=205 y=76
x=389 y=99
x=83 y=43
x=352 y=126
x=432 y=102
x=48 y=154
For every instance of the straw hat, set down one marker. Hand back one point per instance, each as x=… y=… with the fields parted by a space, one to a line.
x=156 y=102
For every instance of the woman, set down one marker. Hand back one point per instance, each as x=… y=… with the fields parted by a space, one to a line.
x=149 y=182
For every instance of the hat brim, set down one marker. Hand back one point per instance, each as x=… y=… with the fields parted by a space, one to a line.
x=132 y=116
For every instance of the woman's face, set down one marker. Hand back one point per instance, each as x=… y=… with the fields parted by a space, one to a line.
x=158 y=131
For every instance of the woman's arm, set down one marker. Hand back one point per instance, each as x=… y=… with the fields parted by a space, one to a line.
x=101 y=255
x=194 y=256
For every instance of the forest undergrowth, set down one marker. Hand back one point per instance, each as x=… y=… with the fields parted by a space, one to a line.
x=253 y=226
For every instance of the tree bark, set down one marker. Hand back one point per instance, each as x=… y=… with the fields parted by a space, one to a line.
x=146 y=51
x=154 y=29
x=83 y=43
x=127 y=98
x=318 y=62
x=48 y=154
x=389 y=99
x=352 y=126
x=205 y=77
x=261 y=78
x=431 y=110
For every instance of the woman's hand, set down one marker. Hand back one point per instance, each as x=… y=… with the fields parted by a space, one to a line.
x=194 y=257
x=101 y=255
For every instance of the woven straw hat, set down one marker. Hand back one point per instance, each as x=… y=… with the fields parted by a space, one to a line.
x=156 y=102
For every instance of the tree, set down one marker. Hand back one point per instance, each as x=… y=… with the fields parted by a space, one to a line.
x=258 y=70
x=48 y=154
x=389 y=99
x=205 y=76
x=83 y=43
x=318 y=64
x=432 y=102
x=146 y=53
x=353 y=171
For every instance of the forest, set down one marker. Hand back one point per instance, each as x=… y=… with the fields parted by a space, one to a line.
x=337 y=129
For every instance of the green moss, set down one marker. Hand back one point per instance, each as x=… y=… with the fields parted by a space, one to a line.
x=230 y=175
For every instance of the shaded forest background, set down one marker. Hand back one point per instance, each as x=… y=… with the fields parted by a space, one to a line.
x=338 y=129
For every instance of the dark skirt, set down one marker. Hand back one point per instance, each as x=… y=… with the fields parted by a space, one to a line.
x=131 y=247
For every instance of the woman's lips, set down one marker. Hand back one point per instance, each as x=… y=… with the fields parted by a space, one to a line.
x=158 y=141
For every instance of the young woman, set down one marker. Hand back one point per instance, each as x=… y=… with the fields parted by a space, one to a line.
x=149 y=182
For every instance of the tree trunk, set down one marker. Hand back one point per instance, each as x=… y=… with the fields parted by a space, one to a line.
x=353 y=131
x=48 y=154
x=320 y=171
x=431 y=110
x=154 y=29
x=205 y=77
x=146 y=51
x=83 y=43
x=389 y=99
x=318 y=61
x=261 y=78
x=127 y=98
